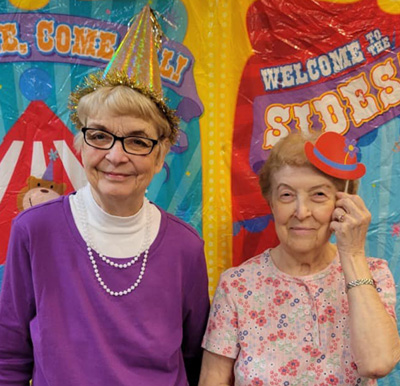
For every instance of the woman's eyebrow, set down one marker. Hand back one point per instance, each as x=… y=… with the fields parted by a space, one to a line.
x=96 y=126
x=134 y=132
x=138 y=132
x=327 y=186
x=319 y=186
x=284 y=185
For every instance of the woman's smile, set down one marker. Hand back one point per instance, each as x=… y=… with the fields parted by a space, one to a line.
x=117 y=176
x=302 y=230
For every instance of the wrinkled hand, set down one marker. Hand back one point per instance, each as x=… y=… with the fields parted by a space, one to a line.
x=350 y=221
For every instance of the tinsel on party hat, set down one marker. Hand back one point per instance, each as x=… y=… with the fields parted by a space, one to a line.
x=135 y=65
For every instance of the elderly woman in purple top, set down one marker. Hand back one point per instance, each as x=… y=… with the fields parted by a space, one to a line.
x=102 y=287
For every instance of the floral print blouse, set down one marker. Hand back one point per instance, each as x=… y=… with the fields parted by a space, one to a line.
x=285 y=330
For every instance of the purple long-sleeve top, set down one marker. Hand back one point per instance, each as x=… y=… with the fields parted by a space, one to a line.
x=59 y=327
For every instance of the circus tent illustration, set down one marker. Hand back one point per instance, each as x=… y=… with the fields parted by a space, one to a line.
x=27 y=150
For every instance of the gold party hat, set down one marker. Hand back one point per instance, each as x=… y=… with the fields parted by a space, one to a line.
x=137 y=54
x=135 y=65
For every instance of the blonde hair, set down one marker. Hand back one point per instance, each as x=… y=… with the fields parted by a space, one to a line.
x=290 y=151
x=121 y=100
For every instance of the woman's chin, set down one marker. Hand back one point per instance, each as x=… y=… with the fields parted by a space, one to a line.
x=303 y=245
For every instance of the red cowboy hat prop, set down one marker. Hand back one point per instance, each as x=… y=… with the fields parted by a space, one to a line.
x=336 y=156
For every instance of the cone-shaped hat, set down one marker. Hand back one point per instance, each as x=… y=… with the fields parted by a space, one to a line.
x=137 y=56
x=48 y=174
x=135 y=65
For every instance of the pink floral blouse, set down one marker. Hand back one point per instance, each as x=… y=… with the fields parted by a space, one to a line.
x=286 y=330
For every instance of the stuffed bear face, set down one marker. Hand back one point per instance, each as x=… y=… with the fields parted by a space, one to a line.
x=38 y=191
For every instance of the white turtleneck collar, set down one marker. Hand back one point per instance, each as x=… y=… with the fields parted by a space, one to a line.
x=114 y=236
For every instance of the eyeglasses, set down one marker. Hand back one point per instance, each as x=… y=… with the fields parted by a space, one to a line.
x=133 y=144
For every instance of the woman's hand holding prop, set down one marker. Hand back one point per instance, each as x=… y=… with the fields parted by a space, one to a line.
x=350 y=221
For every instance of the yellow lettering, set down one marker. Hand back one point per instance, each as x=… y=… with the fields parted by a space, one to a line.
x=44 y=38
x=10 y=42
x=166 y=70
x=181 y=64
x=85 y=41
x=63 y=39
x=106 y=47
x=8 y=33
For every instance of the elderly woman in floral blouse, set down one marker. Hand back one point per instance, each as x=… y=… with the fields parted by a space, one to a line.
x=308 y=312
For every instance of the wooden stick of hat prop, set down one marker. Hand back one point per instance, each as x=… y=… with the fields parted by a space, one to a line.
x=336 y=156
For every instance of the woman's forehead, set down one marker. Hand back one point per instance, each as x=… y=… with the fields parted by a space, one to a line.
x=121 y=125
x=303 y=176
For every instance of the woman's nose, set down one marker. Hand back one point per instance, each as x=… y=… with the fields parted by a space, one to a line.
x=117 y=153
x=302 y=209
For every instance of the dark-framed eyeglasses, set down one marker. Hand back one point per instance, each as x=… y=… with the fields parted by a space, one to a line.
x=132 y=144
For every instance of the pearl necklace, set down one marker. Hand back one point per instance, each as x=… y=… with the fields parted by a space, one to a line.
x=90 y=248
